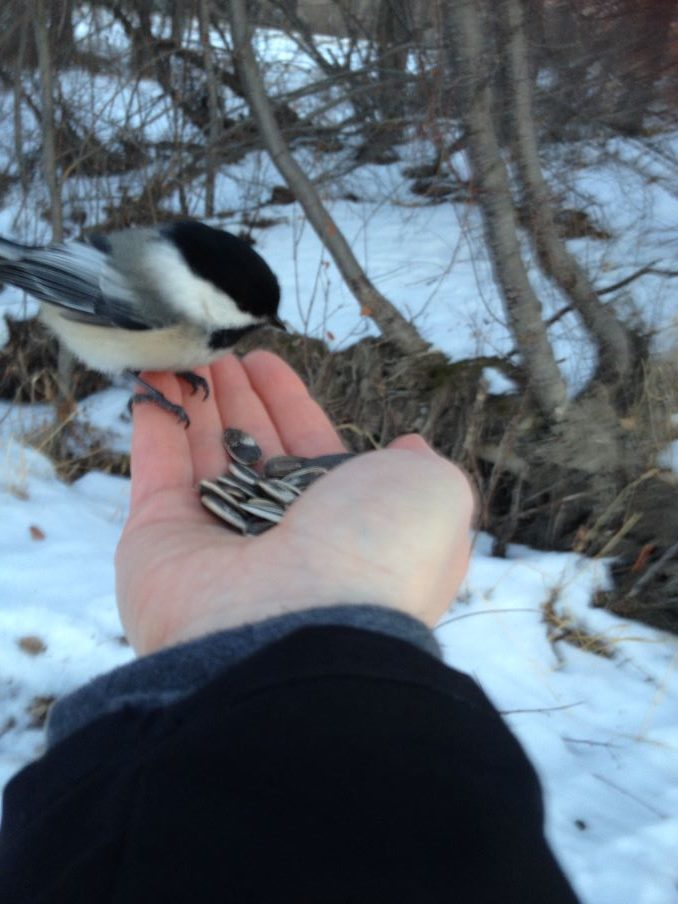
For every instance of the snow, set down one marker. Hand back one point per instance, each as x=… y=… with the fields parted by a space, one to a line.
x=602 y=731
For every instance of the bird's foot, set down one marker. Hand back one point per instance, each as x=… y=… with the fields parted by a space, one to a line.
x=195 y=382
x=154 y=396
x=163 y=403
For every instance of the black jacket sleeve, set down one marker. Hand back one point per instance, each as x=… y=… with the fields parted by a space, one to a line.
x=336 y=765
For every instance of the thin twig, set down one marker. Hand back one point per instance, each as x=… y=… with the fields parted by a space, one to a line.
x=645 y=579
x=629 y=279
x=606 y=781
x=541 y=709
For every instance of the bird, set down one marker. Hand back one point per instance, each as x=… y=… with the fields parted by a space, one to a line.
x=173 y=296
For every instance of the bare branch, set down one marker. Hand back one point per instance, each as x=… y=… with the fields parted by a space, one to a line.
x=611 y=337
x=523 y=308
x=373 y=304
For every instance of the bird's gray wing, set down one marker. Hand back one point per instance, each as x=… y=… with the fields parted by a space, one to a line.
x=78 y=278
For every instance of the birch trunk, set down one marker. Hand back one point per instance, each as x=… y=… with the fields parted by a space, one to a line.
x=523 y=308
x=66 y=362
x=610 y=336
x=214 y=130
x=390 y=321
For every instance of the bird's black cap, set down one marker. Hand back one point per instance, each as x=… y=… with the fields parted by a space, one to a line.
x=230 y=264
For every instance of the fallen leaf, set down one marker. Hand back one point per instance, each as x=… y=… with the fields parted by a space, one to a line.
x=32 y=644
x=642 y=558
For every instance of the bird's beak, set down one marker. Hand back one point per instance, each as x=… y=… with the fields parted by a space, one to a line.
x=276 y=322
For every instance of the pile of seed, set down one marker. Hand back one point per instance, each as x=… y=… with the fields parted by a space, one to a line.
x=250 y=502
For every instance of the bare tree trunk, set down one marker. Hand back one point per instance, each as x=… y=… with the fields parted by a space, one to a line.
x=214 y=133
x=393 y=33
x=523 y=308
x=179 y=16
x=49 y=163
x=638 y=58
x=66 y=362
x=611 y=338
x=62 y=33
x=373 y=304
x=18 y=99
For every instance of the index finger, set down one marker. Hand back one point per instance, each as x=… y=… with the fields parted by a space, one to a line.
x=160 y=455
x=301 y=423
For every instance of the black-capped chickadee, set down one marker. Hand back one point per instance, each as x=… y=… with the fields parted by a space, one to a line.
x=169 y=297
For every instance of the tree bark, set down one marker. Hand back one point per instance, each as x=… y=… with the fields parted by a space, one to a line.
x=65 y=361
x=373 y=304
x=62 y=32
x=491 y=179
x=214 y=130
x=610 y=336
x=23 y=29
x=393 y=34
x=49 y=161
x=638 y=59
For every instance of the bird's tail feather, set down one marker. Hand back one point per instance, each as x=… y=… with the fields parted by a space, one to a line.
x=12 y=251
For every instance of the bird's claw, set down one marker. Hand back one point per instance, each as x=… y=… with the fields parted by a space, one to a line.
x=160 y=400
x=195 y=382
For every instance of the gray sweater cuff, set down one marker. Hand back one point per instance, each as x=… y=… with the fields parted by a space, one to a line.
x=165 y=677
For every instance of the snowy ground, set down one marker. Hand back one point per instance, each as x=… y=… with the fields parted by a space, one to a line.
x=601 y=729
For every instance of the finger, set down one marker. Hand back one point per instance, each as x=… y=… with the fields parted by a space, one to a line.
x=205 y=432
x=160 y=456
x=239 y=405
x=414 y=442
x=302 y=425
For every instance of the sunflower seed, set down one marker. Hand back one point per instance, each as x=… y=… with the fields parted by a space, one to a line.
x=271 y=512
x=281 y=492
x=250 y=503
x=330 y=461
x=224 y=511
x=304 y=477
x=215 y=489
x=238 y=487
x=282 y=465
x=264 y=503
x=244 y=473
x=242 y=447
x=255 y=528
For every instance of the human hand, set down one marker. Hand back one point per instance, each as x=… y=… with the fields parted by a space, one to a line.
x=389 y=528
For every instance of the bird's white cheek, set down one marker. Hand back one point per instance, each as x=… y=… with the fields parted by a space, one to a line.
x=111 y=350
x=191 y=295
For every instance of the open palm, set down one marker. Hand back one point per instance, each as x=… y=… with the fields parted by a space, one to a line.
x=388 y=528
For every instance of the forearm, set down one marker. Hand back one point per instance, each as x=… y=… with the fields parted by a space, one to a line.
x=172 y=674
x=334 y=764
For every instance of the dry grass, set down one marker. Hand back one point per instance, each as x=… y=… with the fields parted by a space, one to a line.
x=563 y=626
x=28 y=367
x=76 y=448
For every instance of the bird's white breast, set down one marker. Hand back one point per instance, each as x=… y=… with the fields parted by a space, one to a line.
x=111 y=350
